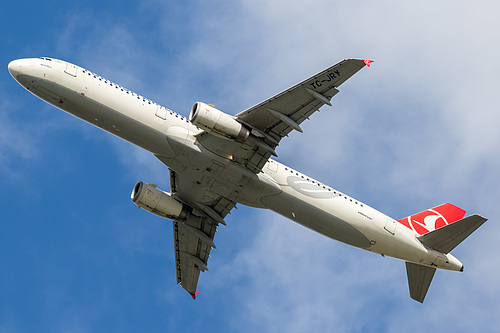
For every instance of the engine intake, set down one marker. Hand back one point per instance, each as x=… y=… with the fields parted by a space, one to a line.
x=217 y=122
x=160 y=203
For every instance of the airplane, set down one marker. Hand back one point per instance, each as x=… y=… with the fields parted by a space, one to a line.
x=217 y=160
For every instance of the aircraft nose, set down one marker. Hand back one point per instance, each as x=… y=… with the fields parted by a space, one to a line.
x=15 y=68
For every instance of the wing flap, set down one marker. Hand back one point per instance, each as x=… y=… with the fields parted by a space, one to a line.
x=191 y=252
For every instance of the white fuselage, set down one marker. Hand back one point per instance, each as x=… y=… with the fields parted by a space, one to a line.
x=172 y=138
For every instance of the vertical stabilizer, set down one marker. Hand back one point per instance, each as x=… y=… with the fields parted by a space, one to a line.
x=434 y=218
x=419 y=280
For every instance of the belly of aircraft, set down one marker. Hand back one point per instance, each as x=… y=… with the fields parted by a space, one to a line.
x=319 y=220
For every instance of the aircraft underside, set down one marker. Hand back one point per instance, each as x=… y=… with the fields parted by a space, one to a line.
x=217 y=160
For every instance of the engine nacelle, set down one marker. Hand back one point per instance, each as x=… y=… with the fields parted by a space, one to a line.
x=160 y=203
x=217 y=122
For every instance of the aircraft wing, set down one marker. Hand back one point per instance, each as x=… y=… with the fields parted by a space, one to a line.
x=193 y=238
x=277 y=116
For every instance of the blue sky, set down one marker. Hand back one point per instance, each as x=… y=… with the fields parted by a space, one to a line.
x=418 y=128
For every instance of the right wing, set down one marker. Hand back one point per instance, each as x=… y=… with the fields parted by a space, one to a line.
x=194 y=236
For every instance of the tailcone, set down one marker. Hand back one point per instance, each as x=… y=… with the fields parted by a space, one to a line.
x=453 y=264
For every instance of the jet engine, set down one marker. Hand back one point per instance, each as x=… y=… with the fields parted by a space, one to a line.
x=160 y=203
x=217 y=122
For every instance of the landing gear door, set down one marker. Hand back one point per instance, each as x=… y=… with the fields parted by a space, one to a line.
x=390 y=225
x=70 y=69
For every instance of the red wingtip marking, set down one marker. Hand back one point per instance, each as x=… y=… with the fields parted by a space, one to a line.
x=367 y=62
x=194 y=295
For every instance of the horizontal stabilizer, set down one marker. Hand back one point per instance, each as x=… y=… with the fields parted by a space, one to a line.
x=448 y=237
x=419 y=280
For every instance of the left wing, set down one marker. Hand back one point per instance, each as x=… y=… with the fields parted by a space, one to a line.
x=284 y=112
x=193 y=237
x=276 y=117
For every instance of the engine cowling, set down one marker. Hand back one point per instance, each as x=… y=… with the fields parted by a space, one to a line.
x=158 y=202
x=217 y=122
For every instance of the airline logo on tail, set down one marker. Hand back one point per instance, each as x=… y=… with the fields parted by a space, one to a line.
x=433 y=218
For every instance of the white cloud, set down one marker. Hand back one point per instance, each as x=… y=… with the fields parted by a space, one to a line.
x=295 y=280
x=291 y=279
x=21 y=133
x=13 y=139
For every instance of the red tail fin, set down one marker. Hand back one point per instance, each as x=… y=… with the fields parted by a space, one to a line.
x=433 y=218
